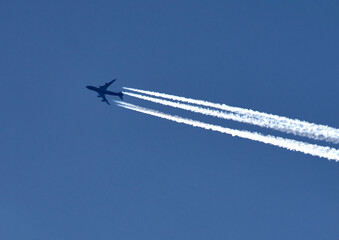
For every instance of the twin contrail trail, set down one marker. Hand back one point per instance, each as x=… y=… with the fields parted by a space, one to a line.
x=312 y=149
x=283 y=124
x=196 y=109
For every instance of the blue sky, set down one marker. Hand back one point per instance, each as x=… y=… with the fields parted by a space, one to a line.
x=75 y=168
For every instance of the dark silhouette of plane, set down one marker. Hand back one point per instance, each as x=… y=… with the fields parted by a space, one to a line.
x=102 y=91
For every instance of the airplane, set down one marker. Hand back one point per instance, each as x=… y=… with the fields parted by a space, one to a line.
x=102 y=91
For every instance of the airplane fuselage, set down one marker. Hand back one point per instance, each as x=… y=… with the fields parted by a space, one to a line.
x=103 y=91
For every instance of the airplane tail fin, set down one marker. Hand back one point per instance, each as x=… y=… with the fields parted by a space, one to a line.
x=121 y=95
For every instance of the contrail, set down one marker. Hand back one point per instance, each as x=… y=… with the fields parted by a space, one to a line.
x=284 y=124
x=293 y=145
x=205 y=111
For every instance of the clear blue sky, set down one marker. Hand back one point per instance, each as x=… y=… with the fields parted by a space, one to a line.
x=75 y=168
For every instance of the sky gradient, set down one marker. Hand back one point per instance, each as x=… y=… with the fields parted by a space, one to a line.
x=75 y=168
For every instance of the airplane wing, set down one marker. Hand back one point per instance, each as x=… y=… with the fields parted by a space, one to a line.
x=107 y=84
x=103 y=98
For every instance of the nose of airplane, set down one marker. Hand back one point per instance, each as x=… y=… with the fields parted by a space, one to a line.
x=90 y=87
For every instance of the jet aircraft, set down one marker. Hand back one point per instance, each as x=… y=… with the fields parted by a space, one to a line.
x=102 y=91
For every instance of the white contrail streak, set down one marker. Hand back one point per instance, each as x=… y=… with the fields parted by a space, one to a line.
x=197 y=109
x=284 y=124
x=205 y=111
x=293 y=145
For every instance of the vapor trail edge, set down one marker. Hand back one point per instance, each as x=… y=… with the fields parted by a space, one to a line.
x=216 y=113
x=284 y=124
x=293 y=145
